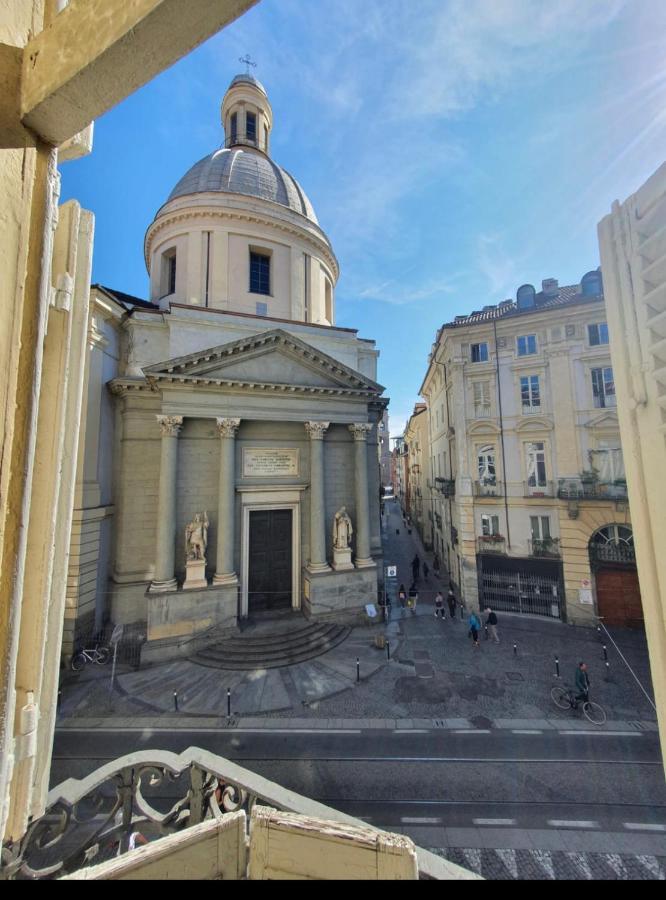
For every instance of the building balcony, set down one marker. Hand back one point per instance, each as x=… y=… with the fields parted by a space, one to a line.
x=591 y=489
x=487 y=488
x=491 y=543
x=621 y=553
x=545 y=547
x=446 y=486
x=538 y=490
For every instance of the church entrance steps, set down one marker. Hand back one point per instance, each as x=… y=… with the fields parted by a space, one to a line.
x=270 y=648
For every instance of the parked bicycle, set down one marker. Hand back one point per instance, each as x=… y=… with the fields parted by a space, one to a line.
x=564 y=698
x=97 y=654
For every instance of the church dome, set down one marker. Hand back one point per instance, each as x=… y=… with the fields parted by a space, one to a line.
x=248 y=172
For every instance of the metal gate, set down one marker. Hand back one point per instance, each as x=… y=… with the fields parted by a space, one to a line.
x=521 y=592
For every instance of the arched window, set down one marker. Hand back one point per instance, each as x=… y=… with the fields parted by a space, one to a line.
x=526 y=296
x=613 y=544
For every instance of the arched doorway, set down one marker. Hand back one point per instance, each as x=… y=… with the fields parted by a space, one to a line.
x=613 y=562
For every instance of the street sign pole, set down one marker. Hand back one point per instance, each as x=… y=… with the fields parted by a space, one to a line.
x=115 y=640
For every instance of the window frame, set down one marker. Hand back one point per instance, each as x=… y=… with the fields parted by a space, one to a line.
x=490 y=525
x=251 y=117
x=598 y=342
x=600 y=391
x=539 y=482
x=481 y=358
x=526 y=339
x=257 y=254
x=531 y=406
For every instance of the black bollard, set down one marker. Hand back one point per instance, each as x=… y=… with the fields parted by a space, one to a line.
x=607 y=678
x=485 y=628
x=59 y=699
x=175 y=700
x=557 y=667
x=388 y=650
x=462 y=613
x=229 y=702
x=605 y=653
x=515 y=649
x=358 y=670
x=599 y=631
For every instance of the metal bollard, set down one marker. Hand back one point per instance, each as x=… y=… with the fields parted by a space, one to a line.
x=607 y=671
x=229 y=702
x=605 y=653
x=557 y=667
x=599 y=630
x=515 y=649
x=175 y=700
x=485 y=628
x=358 y=670
x=388 y=650
x=59 y=699
x=462 y=613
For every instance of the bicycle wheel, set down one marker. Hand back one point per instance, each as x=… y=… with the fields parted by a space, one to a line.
x=102 y=656
x=560 y=697
x=594 y=712
x=78 y=662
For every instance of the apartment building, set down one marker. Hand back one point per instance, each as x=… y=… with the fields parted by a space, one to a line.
x=526 y=480
x=417 y=499
x=632 y=244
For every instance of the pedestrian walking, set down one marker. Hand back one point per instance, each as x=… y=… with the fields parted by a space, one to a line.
x=402 y=596
x=451 y=600
x=435 y=565
x=412 y=598
x=426 y=570
x=416 y=568
x=491 y=622
x=474 y=628
x=439 y=605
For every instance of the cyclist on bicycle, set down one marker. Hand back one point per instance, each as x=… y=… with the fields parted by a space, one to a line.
x=582 y=684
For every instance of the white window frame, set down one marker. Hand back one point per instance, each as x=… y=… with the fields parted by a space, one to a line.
x=533 y=449
x=604 y=400
x=482 y=403
x=531 y=408
x=526 y=345
x=486 y=464
x=598 y=343
x=490 y=525
x=538 y=533
x=480 y=344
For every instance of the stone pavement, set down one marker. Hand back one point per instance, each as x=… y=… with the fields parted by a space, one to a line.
x=434 y=673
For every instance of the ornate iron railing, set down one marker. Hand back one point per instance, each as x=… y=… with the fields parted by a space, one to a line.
x=491 y=543
x=486 y=488
x=446 y=486
x=548 y=547
x=612 y=552
x=538 y=490
x=583 y=489
x=90 y=820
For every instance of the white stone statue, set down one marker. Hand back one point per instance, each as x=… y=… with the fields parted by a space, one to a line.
x=342 y=529
x=196 y=537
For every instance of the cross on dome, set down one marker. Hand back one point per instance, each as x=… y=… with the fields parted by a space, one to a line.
x=247 y=61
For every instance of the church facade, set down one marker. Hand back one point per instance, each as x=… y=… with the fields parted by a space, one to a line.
x=228 y=406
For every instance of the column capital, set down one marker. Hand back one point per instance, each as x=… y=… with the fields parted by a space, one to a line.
x=360 y=430
x=317 y=430
x=170 y=425
x=227 y=428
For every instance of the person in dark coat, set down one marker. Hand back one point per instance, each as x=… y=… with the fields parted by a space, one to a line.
x=491 y=622
x=426 y=570
x=416 y=567
x=412 y=598
x=451 y=600
x=582 y=683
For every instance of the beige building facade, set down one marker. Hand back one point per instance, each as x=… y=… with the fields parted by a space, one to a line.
x=417 y=448
x=632 y=243
x=527 y=479
x=229 y=394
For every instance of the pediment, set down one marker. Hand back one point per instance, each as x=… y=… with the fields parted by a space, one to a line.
x=271 y=358
x=606 y=420
x=534 y=423
x=484 y=427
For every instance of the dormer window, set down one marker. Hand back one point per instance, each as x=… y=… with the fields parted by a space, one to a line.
x=251 y=127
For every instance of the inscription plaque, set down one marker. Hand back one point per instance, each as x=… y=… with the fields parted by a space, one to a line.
x=260 y=462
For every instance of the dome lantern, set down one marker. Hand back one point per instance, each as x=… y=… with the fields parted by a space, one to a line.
x=247 y=117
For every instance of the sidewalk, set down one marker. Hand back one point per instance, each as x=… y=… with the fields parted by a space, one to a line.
x=434 y=674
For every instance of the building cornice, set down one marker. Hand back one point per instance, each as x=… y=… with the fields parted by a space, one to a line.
x=238 y=215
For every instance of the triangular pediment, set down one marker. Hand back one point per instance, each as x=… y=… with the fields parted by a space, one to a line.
x=270 y=358
x=606 y=420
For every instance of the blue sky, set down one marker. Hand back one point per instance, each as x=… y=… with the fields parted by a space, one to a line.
x=453 y=149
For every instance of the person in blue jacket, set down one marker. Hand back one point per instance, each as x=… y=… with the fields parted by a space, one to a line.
x=474 y=628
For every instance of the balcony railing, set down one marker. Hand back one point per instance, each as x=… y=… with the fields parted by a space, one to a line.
x=545 y=547
x=446 y=486
x=491 y=543
x=538 y=490
x=589 y=489
x=485 y=488
x=612 y=552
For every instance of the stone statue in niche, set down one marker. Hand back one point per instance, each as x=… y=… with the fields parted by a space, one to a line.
x=196 y=542
x=342 y=535
x=196 y=537
x=342 y=529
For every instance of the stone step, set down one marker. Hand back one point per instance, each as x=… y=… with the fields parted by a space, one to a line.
x=269 y=654
x=282 y=639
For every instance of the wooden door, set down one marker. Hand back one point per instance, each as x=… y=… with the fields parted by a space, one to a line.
x=270 y=560
x=619 y=597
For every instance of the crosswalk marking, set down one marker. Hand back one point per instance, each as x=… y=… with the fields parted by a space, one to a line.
x=545 y=860
x=508 y=857
x=651 y=863
x=573 y=823
x=643 y=826
x=494 y=821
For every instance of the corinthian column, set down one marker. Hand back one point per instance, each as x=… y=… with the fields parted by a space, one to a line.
x=318 y=563
x=226 y=503
x=363 y=557
x=165 y=579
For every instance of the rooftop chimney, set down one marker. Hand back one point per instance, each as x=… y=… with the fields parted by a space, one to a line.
x=550 y=287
